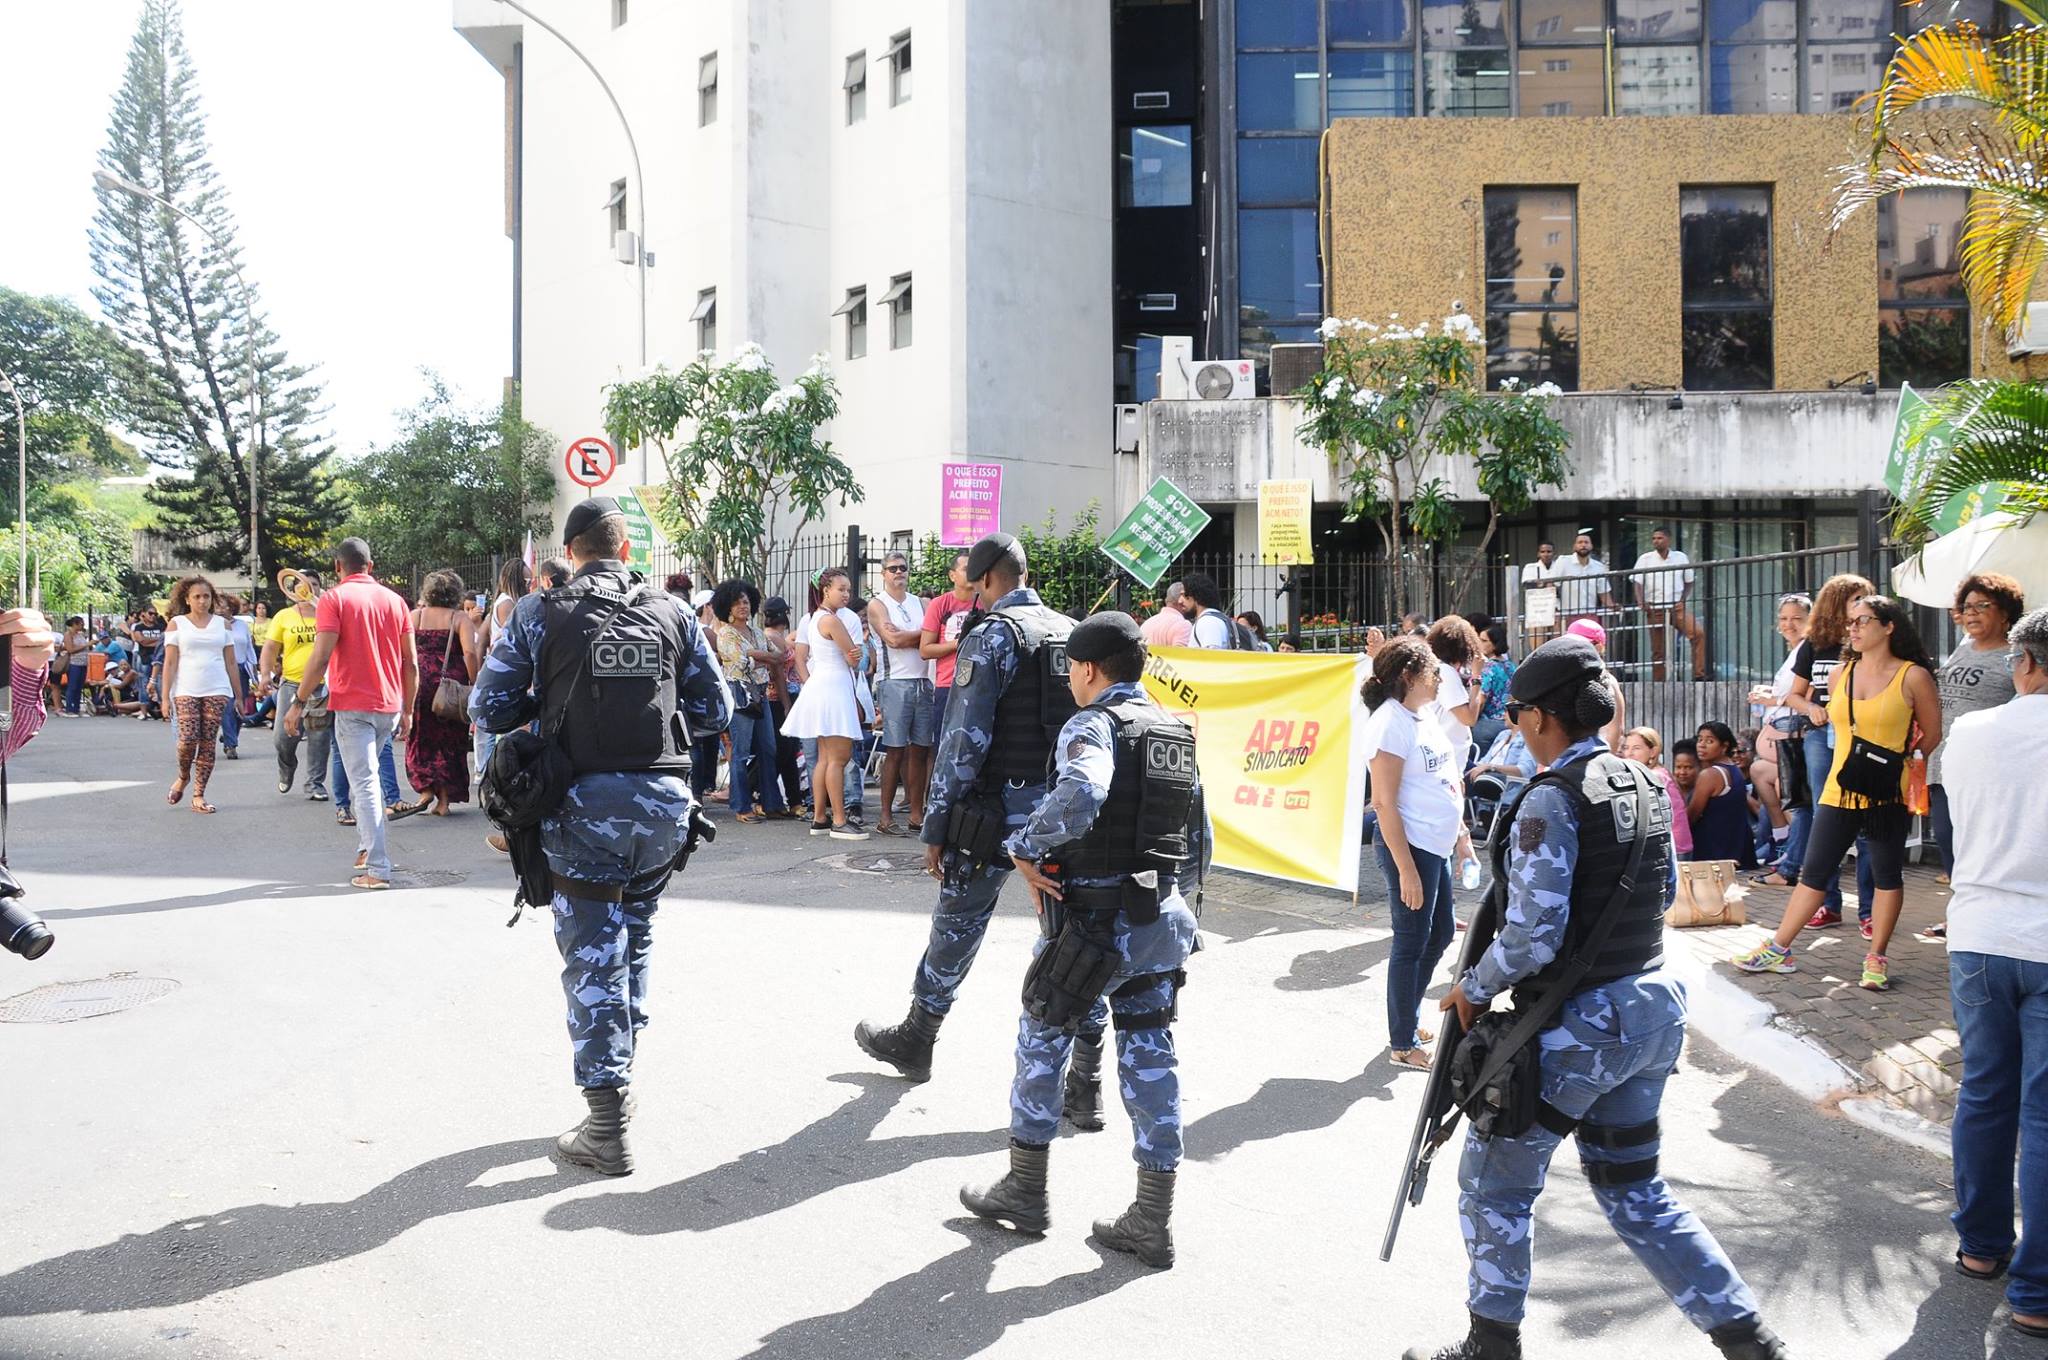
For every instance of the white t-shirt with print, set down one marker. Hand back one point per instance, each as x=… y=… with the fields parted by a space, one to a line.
x=1431 y=796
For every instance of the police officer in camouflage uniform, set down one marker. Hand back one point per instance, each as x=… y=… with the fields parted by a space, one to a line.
x=1108 y=854
x=1010 y=699
x=1609 y=1051
x=622 y=678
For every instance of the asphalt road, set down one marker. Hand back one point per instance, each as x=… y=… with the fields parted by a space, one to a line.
x=330 y=1138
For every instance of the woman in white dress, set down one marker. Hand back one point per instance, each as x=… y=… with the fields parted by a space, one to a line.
x=200 y=677
x=826 y=710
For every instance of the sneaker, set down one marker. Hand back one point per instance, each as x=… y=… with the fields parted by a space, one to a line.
x=316 y=795
x=1864 y=927
x=283 y=787
x=1876 y=973
x=851 y=831
x=821 y=828
x=1768 y=957
x=496 y=840
x=1822 y=918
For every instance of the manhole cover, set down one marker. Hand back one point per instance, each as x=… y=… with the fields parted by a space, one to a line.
x=61 y=1002
x=876 y=862
x=429 y=878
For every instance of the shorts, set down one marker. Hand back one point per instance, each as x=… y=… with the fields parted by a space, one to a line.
x=906 y=713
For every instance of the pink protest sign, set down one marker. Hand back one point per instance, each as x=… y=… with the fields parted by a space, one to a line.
x=970 y=502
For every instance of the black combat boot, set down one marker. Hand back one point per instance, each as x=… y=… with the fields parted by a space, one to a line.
x=1146 y=1228
x=906 y=1047
x=1083 y=1106
x=1488 y=1340
x=1749 y=1339
x=1018 y=1199
x=599 y=1142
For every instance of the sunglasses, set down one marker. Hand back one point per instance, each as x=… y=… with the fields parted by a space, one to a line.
x=1515 y=710
x=897 y=570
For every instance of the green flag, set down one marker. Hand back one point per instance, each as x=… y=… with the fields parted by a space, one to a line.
x=1158 y=529
x=1918 y=443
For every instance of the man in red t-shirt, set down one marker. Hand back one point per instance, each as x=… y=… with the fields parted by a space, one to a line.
x=939 y=640
x=365 y=633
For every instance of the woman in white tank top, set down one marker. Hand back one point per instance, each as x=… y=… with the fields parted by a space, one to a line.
x=200 y=678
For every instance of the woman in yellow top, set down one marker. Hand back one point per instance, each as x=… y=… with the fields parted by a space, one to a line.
x=1889 y=684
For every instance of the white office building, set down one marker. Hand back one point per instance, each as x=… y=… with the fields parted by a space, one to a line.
x=916 y=188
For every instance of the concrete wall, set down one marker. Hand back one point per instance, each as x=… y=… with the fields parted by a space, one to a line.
x=1407 y=232
x=1798 y=445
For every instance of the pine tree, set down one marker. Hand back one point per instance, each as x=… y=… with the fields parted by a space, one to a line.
x=171 y=294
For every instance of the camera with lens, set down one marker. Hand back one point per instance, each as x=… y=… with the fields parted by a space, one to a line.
x=21 y=930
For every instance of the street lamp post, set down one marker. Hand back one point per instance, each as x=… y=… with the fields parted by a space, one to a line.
x=117 y=184
x=639 y=185
x=21 y=491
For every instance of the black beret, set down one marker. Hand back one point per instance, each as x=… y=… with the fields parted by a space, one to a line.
x=1102 y=636
x=1552 y=666
x=586 y=514
x=984 y=556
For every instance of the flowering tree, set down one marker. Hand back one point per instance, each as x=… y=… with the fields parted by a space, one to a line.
x=752 y=470
x=1395 y=405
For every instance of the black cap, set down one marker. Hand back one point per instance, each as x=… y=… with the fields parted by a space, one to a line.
x=1102 y=636
x=994 y=549
x=587 y=513
x=1553 y=665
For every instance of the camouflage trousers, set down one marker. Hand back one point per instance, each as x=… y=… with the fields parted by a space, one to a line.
x=1609 y=1087
x=623 y=831
x=1147 y=1072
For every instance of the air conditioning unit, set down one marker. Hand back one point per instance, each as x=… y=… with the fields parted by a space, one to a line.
x=1128 y=419
x=1176 y=366
x=1223 y=379
x=626 y=246
x=2031 y=335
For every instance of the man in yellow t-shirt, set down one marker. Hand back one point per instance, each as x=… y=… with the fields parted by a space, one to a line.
x=283 y=665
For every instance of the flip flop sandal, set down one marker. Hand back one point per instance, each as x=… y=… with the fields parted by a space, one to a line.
x=1968 y=1271
x=345 y=819
x=175 y=794
x=400 y=811
x=362 y=860
x=1763 y=880
x=1413 y=1058
x=2027 y=1328
x=1423 y=1036
x=200 y=805
x=368 y=884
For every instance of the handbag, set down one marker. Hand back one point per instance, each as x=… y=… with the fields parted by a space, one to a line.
x=747 y=697
x=1870 y=771
x=1794 y=790
x=1708 y=895
x=451 y=696
x=318 y=717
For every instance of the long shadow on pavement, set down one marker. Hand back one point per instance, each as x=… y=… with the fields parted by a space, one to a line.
x=193 y=1258
x=1959 y=1309
x=944 y=1310
x=255 y=892
x=1286 y=1105
x=815 y=1160
x=1321 y=970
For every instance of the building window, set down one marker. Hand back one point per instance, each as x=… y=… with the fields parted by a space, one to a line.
x=615 y=208
x=1848 y=43
x=1923 y=334
x=1753 y=57
x=705 y=314
x=855 y=310
x=707 y=89
x=1657 y=81
x=1563 y=21
x=1724 y=248
x=1560 y=82
x=1279 y=92
x=1280 y=275
x=1277 y=23
x=1276 y=171
x=1156 y=167
x=898 y=57
x=1371 y=83
x=618 y=13
x=856 y=85
x=1378 y=22
x=897 y=300
x=1532 y=286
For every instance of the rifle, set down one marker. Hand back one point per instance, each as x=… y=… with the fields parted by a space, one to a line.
x=1438 y=1117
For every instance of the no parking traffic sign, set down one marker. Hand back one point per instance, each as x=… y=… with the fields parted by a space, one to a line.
x=590 y=461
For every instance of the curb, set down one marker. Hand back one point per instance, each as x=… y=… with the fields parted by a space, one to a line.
x=1745 y=1026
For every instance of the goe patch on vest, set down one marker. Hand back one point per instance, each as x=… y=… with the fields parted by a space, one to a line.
x=626 y=659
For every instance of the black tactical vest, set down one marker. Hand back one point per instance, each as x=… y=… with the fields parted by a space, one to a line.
x=1605 y=793
x=620 y=713
x=1038 y=702
x=1143 y=823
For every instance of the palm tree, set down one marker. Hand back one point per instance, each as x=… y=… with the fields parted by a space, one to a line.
x=1998 y=430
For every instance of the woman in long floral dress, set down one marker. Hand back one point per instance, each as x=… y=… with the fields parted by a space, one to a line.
x=437 y=752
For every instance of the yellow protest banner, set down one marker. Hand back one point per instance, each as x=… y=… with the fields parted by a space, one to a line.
x=1284 y=510
x=1279 y=739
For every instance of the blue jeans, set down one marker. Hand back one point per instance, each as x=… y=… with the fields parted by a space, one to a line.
x=1484 y=733
x=1420 y=937
x=753 y=763
x=337 y=777
x=74 y=686
x=2001 y=1007
x=359 y=738
x=231 y=721
x=1820 y=758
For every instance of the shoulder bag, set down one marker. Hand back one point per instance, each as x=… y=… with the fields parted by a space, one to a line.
x=451 y=696
x=1870 y=771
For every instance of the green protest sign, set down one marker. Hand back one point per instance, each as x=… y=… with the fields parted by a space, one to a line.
x=641 y=535
x=1158 y=529
x=1918 y=441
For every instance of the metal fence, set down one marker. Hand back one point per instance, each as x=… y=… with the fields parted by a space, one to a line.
x=1689 y=643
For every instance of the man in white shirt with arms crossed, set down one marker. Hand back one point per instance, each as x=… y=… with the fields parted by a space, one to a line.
x=1998 y=978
